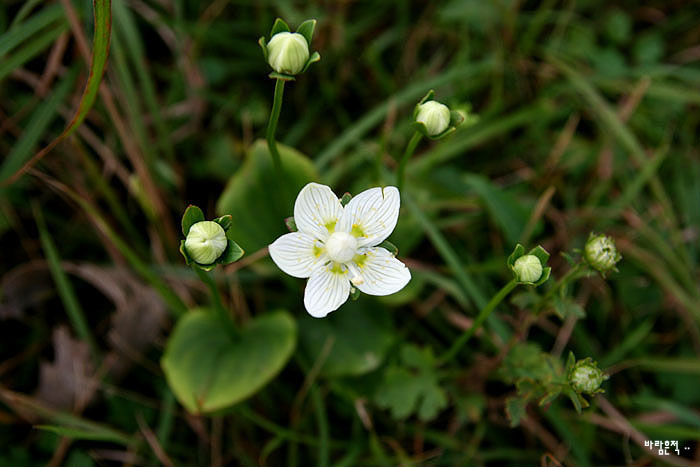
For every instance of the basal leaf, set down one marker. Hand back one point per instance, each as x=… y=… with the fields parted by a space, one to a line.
x=258 y=201
x=209 y=370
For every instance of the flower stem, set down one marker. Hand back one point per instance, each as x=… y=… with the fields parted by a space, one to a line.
x=219 y=307
x=410 y=148
x=571 y=275
x=483 y=314
x=272 y=126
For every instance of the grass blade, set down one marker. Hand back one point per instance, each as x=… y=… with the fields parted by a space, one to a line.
x=100 y=51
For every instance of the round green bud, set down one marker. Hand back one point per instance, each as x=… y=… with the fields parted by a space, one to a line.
x=600 y=253
x=528 y=268
x=435 y=116
x=586 y=377
x=287 y=52
x=205 y=242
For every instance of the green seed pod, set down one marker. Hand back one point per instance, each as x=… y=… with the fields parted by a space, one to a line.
x=435 y=116
x=528 y=268
x=287 y=52
x=205 y=242
x=586 y=377
x=600 y=253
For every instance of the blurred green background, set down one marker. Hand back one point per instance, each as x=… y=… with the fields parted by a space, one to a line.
x=587 y=121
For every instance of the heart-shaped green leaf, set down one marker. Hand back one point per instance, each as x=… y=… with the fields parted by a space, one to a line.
x=209 y=370
x=361 y=333
x=258 y=200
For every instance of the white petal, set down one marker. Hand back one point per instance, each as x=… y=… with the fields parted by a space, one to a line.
x=373 y=214
x=297 y=254
x=316 y=209
x=382 y=274
x=327 y=289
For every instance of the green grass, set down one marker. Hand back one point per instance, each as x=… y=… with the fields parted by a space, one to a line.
x=588 y=120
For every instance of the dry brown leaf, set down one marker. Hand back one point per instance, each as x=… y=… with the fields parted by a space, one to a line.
x=69 y=381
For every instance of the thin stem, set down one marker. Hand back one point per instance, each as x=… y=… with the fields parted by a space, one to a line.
x=483 y=314
x=561 y=283
x=410 y=148
x=219 y=307
x=272 y=126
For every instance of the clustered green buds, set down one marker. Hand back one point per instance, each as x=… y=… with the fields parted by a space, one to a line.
x=434 y=119
x=288 y=52
x=585 y=377
x=600 y=253
x=530 y=268
x=207 y=243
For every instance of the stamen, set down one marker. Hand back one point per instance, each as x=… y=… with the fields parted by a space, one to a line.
x=356 y=275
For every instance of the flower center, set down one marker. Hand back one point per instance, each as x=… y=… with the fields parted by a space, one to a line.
x=341 y=247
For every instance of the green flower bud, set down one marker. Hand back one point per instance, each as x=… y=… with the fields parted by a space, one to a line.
x=528 y=268
x=600 y=253
x=287 y=52
x=205 y=242
x=586 y=377
x=435 y=116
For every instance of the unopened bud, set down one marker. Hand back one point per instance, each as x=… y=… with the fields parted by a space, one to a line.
x=205 y=242
x=586 y=377
x=528 y=268
x=435 y=116
x=287 y=52
x=600 y=253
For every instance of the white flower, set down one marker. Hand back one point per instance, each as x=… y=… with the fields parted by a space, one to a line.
x=435 y=116
x=287 y=52
x=336 y=246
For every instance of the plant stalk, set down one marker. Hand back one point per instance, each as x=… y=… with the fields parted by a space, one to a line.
x=410 y=149
x=219 y=307
x=272 y=126
x=483 y=314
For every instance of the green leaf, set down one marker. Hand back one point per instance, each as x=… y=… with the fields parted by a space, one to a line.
x=283 y=76
x=515 y=410
x=208 y=370
x=232 y=253
x=100 y=51
x=345 y=199
x=418 y=391
x=291 y=224
x=576 y=400
x=565 y=307
x=541 y=254
x=527 y=360
x=315 y=57
x=518 y=251
x=390 y=247
x=433 y=401
x=191 y=216
x=258 y=200
x=504 y=208
x=399 y=392
x=306 y=29
x=224 y=221
x=279 y=26
x=20 y=32
x=36 y=127
x=263 y=46
x=93 y=433
x=361 y=335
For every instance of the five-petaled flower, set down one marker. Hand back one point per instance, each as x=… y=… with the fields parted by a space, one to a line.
x=336 y=247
